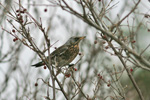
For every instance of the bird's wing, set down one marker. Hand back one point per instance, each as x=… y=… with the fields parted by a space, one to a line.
x=59 y=51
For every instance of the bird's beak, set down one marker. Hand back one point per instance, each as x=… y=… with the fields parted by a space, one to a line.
x=82 y=37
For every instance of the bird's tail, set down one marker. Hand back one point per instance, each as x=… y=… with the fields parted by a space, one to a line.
x=38 y=64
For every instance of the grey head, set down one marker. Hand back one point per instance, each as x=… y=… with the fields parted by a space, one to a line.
x=74 y=40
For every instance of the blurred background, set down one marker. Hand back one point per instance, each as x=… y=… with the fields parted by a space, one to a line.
x=18 y=78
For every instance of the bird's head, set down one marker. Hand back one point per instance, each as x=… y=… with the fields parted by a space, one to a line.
x=74 y=40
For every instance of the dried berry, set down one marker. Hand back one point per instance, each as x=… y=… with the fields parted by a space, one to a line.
x=21 y=11
x=108 y=85
x=45 y=10
x=67 y=75
x=106 y=47
x=95 y=42
x=15 y=39
x=104 y=37
x=75 y=69
x=101 y=77
x=146 y=15
x=131 y=70
x=18 y=14
x=133 y=41
x=13 y=31
x=17 y=11
x=36 y=84
x=80 y=54
x=44 y=67
x=24 y=10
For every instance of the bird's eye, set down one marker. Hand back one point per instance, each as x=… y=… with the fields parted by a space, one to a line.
x=76 y=39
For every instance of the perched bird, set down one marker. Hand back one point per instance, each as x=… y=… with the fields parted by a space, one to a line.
x=65 y=54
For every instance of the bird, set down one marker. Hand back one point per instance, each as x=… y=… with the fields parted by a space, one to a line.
x=65 y=54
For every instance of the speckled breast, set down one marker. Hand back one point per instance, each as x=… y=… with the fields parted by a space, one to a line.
x=68 y=56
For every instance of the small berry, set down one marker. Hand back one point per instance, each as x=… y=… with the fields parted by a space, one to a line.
x=108 y=85
x=104 y=36
x=101 y=77
x=13 y=31
x=21 y=11
x=148 y=30
x=133 y=41
x=36 y=84
x=67 y=75
x=24 y=10
x=146 y=15
x=98 y=75
x=55 y=47
x=95 y=42
x=131 y=70
x=15 y=39
x=17 y=10
x=80 y=54
x=44 y=67
x=45 y=10
x=18 y=14
x=75 y=69
x=106 y=47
